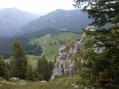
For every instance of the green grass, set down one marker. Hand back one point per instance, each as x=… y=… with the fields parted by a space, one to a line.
x=33 y=60
x=52 y=50
x=59 y=83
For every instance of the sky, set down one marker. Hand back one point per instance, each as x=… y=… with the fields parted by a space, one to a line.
x=38 y=7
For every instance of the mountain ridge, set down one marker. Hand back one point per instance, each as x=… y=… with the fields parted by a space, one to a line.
x=59 y=19
x=14 y=22
x=12 y=19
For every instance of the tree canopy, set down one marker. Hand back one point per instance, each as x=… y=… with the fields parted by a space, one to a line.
x=102 y=11
x=19 y=63
x=99 y=65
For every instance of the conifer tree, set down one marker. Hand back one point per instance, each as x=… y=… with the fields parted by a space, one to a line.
x=44 y=69
x=30 y=74
x=100 y=65
x=106 y=64
x=102 y=11
x=19 y=62
x=7 y=74
x=2 y=67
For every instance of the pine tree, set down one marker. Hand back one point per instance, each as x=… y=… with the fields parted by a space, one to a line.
x=2 y=67
x=30 y=74
x=19 y=62
x=102 y=11
x=12 y=68
x=106 y=64
x=100 y=65
x=44 y=69
x=7 y=74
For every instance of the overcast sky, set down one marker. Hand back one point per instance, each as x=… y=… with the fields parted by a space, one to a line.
x=37 y=6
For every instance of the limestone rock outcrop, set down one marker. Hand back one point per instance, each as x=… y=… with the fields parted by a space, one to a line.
x=63 y=64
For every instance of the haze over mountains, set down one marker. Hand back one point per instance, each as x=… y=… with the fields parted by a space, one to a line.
x=16 y=22
x=12 y=20
x=69 y=20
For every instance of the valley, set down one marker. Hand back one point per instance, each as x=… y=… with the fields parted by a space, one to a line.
x=50 y=44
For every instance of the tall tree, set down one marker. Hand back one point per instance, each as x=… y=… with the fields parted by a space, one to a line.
x=2 y=67
x=101 y=65
x=19 y=62
x=30 y=73
x=44 y=68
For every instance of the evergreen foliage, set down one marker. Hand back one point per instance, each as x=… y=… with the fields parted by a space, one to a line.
x=19 y=62
x=19 y=67
x=30 y=49
x=96 y=65
x=30 y=73
x=2 y=67
x=44 y=69
x=100 y=65
x=102 y=11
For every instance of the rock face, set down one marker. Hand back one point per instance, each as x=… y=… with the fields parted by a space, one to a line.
x=63 y=63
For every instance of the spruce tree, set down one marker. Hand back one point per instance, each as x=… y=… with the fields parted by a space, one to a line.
x=2 y=67
x=30 y=74
x=100 y=65
x=44 y=69
x=106 y=64
x=19 y=62
x=102 y=11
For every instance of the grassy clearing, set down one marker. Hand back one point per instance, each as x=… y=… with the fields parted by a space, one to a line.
x=54 y=41
x=59 y=83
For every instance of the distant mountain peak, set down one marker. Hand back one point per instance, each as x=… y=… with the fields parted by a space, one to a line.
x=13 y=19
x=70 y=20
x=58 y=10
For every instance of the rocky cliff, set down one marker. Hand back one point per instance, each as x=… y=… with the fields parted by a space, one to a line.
x=64 y=65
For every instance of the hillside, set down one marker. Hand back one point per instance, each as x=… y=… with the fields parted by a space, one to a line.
x=12 y=20
x=49 y=43
x=59 y=19
x=39 y=33
x=52 y=42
